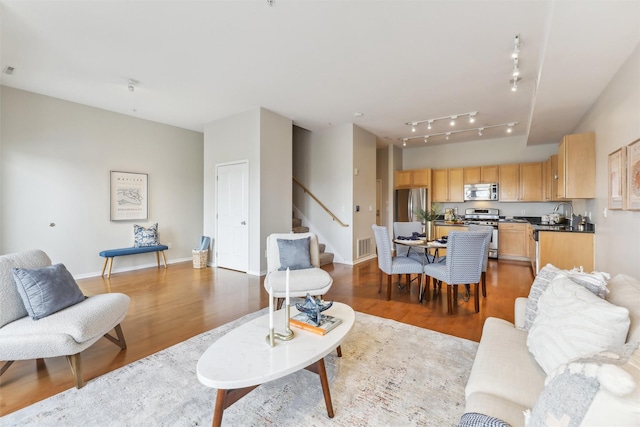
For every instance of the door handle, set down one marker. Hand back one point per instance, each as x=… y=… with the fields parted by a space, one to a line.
x=243 y=223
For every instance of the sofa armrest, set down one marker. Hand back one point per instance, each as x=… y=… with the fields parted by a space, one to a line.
x=519 y=310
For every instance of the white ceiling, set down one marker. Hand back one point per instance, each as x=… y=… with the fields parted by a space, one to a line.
x=319 y=62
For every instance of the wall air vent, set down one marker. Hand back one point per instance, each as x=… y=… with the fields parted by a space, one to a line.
x=363 y=247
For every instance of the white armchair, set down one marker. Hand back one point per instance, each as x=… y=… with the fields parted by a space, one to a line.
x=64 y=333
x=301 y=250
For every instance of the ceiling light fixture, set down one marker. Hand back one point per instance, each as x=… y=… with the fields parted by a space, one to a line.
x=449 y=133
x=514 y=83
x=516 y=70
x=131 y=85
x=516 y=47
x=452 y=120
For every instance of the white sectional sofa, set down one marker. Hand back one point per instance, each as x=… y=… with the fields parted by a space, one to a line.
x=507 y=382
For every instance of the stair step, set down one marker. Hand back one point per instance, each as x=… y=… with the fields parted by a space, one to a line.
x=296 y=222
x=326 y=258
x=300 y=229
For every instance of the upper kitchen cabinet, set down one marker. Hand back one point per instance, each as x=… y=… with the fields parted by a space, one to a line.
x=447 y=185
x=481 y=174
x=577 y=166
x=521 y=182
x=413 y=178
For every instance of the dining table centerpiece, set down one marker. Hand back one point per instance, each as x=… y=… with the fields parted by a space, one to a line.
x=428 y=217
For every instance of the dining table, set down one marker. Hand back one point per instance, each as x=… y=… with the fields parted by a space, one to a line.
x=427 y=247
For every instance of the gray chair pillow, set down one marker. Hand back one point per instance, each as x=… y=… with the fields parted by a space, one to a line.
x=294 y=254
x=46 y=290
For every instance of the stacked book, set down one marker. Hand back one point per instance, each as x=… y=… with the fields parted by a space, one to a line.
x=302 y=321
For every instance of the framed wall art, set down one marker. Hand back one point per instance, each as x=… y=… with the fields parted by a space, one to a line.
x=617 y=178
x=633 y=176
x=129 y=196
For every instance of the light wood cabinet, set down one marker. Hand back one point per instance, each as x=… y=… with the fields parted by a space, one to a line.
x=413 y=178
x=566 y=250
x=481 y=174
x=443 y=230
x=521 y=182
x=447 y=185
x=577 y=166
x=513 y=241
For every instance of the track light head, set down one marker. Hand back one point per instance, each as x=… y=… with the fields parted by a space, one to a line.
x=447 y=135
x=480 y=131
x=453 y=120
x=413 y=127
x=426 y=139
x=472 y=117
x=429 y=124
x=404 y=142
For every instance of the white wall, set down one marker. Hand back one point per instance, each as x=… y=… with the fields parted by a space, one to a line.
x=615 y=118
x=364 y=188
x=55 y=162
x=263 y=139
x=323 y=162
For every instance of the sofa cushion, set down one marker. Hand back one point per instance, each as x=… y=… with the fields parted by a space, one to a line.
x=625 y=292
x=504 y=367
x=592 y=391
x=46 y=290
x=145 y=236
x=572 y=322
x=498 y=407
x=294 y=254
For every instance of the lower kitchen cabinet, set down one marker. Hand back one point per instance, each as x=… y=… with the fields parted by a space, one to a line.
x=566 y=250
x=443 y=230
x=513 y=242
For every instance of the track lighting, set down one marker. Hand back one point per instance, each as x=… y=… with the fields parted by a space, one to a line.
x=516 y=47
x=516 y=70
x=515 y=55
x=449 y=133
x=451 y=118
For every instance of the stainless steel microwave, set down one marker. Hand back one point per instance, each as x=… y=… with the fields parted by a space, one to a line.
x=480 y=192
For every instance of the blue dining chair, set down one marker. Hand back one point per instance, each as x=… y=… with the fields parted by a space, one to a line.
x=463 y=266
x=390 y=264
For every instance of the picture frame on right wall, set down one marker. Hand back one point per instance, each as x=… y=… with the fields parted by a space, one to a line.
x=617 y=179
x=633 y=176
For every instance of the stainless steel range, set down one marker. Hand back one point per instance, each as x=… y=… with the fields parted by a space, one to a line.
x=485 y=217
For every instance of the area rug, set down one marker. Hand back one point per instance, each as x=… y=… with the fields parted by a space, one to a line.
x=390 y=374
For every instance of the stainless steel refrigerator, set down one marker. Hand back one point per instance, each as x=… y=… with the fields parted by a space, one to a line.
x=408 y=201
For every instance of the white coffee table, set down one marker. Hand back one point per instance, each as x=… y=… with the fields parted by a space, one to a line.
x=242 y=359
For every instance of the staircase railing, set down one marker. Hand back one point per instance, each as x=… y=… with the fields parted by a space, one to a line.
x=306 y=190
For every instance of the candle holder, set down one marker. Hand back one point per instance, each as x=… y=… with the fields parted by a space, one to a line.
x=288 y=335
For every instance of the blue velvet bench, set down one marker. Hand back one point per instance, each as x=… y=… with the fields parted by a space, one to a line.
x=110 y=254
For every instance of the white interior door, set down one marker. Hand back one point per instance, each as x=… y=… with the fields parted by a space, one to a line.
x=232 y=203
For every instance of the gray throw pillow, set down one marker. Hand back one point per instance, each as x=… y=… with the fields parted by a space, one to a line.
x=294 y=254
x=46 y=290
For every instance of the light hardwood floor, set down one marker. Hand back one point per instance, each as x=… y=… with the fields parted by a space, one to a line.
x=172 y=305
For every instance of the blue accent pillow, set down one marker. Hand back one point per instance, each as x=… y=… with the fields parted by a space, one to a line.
x=145 y=236
x=294 y=253
x=46 y=290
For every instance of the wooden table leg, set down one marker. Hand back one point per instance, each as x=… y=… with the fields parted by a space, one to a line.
x=104 y=267
x=319 y=369
x=219 y=408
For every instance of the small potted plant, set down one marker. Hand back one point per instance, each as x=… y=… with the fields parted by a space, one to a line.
x=429 y=217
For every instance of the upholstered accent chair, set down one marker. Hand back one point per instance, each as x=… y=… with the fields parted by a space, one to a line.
x=301 y=253
x=463 y=266
x=390 y=264
x=66 y=332
x=489 y=230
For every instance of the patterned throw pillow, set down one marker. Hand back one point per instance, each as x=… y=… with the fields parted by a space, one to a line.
x=603 y=388
x=474 y=419
x=595 y=282
x=145 y=236
x=572 y=322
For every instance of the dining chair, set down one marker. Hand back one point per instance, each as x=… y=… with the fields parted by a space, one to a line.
x=489 y=230
x=406 y=229
x=390 y=264
x=463 y=266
